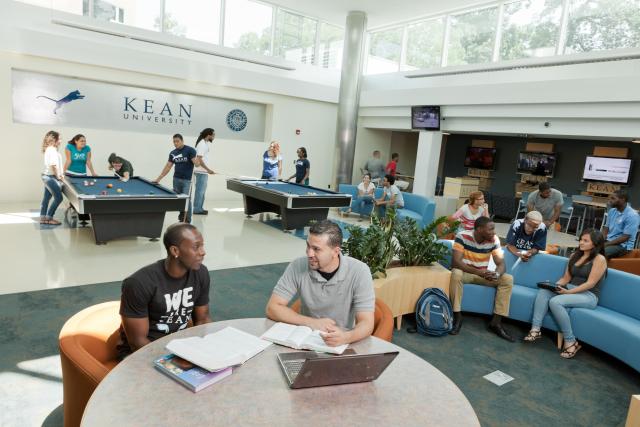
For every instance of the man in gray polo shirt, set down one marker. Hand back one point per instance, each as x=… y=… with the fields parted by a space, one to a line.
x=336 y=291
x=548 y=201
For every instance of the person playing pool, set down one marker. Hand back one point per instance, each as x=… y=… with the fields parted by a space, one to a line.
x=303 y=168
x=78 y=157
x=122 y=168
x=272 y=162
x=184 y=157
x=165 y=296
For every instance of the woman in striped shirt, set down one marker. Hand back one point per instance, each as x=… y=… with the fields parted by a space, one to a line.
x=469 y=212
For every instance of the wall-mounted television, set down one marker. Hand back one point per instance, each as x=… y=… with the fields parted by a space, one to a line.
x=541 y=164
x=426 y=117
x=480 y=158
x=607 y=169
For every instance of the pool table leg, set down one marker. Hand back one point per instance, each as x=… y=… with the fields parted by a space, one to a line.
x=112 y=226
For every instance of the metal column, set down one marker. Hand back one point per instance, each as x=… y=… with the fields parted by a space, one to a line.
x=349 y=101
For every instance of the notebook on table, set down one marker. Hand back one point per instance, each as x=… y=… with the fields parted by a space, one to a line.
x=308 y=369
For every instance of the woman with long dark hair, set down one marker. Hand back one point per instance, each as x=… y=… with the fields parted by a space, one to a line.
x=578 y=287
x=303 y=167
x=202 y=170
x=78 y=157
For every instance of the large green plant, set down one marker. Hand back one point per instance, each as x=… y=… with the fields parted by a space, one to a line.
x=386 y=237
x=420 y=246
x=374 y=246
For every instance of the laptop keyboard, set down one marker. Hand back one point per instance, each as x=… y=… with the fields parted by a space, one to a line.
x=293 y=367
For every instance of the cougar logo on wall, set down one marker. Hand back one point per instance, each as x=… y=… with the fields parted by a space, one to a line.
x=72 y=96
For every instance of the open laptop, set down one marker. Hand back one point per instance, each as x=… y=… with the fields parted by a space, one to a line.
x=308 y=369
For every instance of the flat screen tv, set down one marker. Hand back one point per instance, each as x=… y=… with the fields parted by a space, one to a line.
x=480 y=158
x=425 y=117
x=541 y=164
x=607 y=169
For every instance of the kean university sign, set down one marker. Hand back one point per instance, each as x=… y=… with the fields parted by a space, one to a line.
x=46 y=99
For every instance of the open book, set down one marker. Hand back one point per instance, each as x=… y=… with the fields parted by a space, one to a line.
x=300 y=338
x=228 y=347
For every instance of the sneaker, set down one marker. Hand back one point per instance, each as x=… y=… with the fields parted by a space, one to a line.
x=202 y=212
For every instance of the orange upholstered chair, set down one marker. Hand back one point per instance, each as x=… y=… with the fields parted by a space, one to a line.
x=629 y=262
x=382 y=319
x=88 y=352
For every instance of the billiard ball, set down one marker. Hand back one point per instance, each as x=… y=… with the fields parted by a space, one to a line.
x=91 y=184
x=109 y=185
x=104 y=193
x=119 y=190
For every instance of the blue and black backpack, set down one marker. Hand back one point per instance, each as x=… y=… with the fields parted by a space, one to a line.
x=434 y=314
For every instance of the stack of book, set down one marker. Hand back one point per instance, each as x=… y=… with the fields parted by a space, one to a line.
x=198 y=362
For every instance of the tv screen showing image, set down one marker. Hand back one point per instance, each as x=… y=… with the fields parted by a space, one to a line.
x=541 y=164
x=480 y=158
x=425 y=117
x=607 y=169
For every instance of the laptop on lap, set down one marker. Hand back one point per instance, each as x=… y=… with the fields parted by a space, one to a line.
x=308 y=369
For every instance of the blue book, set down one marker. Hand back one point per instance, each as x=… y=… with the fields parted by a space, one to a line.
x=189 y=375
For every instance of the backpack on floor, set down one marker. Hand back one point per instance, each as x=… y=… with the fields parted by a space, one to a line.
x=434 y=314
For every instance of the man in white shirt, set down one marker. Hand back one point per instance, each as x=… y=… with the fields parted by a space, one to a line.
x=391 y=196
x=202 y=170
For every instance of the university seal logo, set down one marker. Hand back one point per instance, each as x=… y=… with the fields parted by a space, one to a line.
x=236 y=120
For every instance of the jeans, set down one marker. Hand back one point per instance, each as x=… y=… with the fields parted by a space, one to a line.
x=614 y=251
x=183 y=186
x=199 y=192
x=363 y=204
x=52 y=188
x=382 y=209
x=547 y=300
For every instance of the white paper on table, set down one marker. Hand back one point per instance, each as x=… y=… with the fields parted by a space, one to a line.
x=499 y=378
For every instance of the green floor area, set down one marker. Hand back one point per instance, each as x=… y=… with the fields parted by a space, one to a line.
x=592 y=389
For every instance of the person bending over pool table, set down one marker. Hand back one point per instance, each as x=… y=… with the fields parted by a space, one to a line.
x=121 y=167
x=336 y=291
x=165 y=296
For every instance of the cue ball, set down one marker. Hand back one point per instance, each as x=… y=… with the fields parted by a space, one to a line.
x=119 y=190
x=109 y=185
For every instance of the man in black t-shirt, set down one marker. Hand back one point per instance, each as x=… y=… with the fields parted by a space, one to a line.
x=163 y=297
x=184 y=158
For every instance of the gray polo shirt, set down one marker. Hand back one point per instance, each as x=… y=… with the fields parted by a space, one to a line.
x=375 y=167
x=545 y=206
x=349 y=291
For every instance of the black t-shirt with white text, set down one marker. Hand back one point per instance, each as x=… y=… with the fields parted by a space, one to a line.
x=167 y=302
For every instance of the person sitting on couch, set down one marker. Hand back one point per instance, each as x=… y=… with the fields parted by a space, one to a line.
x=469 y=212
x=363 y=203
x=578 y=287
x=621 y=227
x=528 y=236
x=391 y=196
x=472 y=251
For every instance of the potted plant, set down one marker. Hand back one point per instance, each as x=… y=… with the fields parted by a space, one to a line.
x=403 y=258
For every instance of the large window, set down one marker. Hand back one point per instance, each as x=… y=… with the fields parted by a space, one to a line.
x=530 y=28
x=331 y=45
x=385 y=48
x=602 y=24
x=295 y=37
x=193 y=19
x=136 y=13
x=247 y=26
x=472 y=37
x=424 y=44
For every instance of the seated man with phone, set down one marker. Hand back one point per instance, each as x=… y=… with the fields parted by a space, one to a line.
x=472 y=251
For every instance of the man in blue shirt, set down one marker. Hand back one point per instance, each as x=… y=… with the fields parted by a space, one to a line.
x=622 y=226
x=184 y=158
x=528 y=236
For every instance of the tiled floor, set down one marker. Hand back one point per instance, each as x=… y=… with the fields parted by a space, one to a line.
x=44 y=257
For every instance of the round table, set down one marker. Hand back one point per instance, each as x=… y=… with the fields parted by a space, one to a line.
x=410 y=392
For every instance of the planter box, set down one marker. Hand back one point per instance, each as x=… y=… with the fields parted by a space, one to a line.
x=403 y=286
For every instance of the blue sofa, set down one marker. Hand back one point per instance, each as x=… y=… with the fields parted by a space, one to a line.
x=613 y=327
x=420 y=208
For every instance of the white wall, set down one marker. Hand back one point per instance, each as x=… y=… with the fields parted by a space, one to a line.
x=149 y=152
x=303 y=99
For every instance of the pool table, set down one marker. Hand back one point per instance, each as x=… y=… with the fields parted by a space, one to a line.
x=138 y=210
x=296 y=204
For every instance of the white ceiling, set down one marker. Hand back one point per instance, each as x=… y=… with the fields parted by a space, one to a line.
x=379 y=12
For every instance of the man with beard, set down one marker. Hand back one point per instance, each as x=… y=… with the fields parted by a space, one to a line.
x=336 y=291
x=163 y=297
